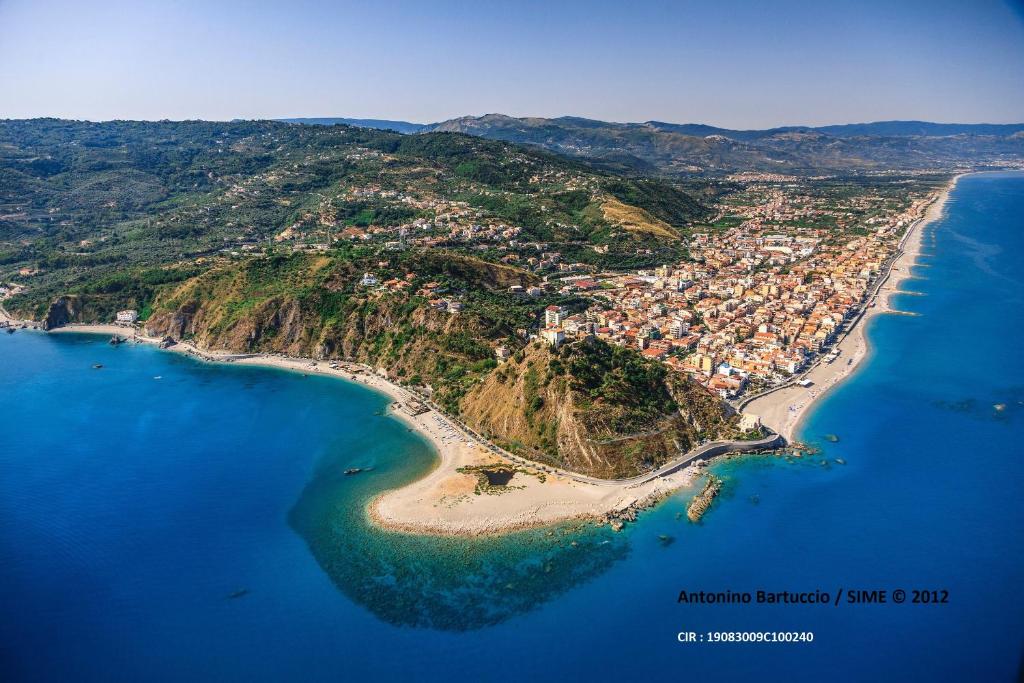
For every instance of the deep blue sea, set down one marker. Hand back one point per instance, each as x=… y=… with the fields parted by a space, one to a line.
x=137 y=499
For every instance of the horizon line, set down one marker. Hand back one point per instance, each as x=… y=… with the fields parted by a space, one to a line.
x=287 y=119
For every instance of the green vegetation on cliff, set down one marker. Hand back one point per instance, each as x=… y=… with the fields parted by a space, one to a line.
x=595 y=408
x=313 y=305
x=347 y=243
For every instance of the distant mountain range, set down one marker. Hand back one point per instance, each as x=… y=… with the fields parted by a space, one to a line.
x=675 y=149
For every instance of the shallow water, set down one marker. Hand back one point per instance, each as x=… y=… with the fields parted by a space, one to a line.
x=132 y=509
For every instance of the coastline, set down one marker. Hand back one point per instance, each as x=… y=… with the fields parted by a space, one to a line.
x=451 y=503
x=786 y=409
x=444 y=501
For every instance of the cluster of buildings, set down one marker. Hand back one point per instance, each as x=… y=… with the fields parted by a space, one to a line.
x=437 y=295
x=766 y=287
x=752 y=307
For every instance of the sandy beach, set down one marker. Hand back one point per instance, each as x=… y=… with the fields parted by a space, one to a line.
x=448 y=502
x=444 y=502
x=784 y=409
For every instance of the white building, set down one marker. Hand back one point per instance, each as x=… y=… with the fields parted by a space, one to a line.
x=553 y=316
x=127 y=317
x=369 y=280
x=553 y=336
x=678 y=328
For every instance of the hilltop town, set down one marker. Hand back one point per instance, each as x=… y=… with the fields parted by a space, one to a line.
x=765 y=287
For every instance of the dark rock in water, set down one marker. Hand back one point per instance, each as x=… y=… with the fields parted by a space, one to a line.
x=666 y=540
x=116 y=339
x=755 y=499
x=10 y=330
x=831 y=438
x=238 y=593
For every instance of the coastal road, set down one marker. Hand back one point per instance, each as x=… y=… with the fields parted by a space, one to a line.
x=865 y=307
x=715 y=448
x=782 y=406
x=702 y=452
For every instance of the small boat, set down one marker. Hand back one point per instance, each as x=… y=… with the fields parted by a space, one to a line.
x=238 y=593
x=353 y=470
x=97 y=366
x=831 y=438
x=840 y=461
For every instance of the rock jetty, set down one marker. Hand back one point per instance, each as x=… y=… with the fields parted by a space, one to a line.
x=702 y=501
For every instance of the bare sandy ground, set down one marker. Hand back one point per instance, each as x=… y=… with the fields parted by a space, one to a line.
x=444 y=502
x=783 y=410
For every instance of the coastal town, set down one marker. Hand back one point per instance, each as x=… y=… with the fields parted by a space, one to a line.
x=754 y=305
x=765 y=289
x=773 y=292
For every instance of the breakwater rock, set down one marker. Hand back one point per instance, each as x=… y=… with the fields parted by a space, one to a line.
x=702 y=501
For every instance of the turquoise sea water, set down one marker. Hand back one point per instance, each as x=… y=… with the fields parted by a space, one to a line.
x=132 y=507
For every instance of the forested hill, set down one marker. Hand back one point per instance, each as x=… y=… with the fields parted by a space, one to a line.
x=421 y=255
x=81 y=200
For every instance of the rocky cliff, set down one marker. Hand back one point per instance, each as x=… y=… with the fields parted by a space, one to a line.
x=314 y=306
x=593 y=408
x=589 y=406
x=63 y=310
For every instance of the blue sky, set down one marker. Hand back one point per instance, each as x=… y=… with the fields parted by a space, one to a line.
x=730 y=63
